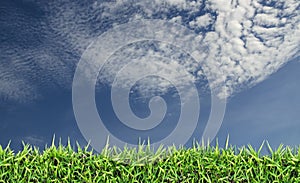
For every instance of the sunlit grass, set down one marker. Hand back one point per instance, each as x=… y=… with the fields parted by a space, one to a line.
x=198 y=164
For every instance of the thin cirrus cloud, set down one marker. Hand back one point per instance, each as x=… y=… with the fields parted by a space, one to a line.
x=247 y=40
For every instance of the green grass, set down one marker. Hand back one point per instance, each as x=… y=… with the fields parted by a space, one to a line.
x=197 y=164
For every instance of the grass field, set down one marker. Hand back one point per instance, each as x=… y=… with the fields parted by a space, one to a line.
x=197 y=164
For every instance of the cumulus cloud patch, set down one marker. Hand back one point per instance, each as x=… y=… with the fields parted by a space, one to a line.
x=247 y=39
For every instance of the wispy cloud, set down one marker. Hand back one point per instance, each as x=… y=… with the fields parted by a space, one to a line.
x=247 y=40
x=34 y=141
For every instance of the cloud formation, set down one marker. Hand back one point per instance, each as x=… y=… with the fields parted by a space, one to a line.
x=247 y=39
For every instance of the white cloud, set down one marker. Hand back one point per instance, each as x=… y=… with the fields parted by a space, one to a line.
x=247 y=41
x=201 y=21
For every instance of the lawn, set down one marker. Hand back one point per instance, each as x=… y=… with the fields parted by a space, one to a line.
x=197 y=164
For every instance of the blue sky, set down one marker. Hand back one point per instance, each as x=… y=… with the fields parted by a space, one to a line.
x=269 y=111
x=251 y=50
